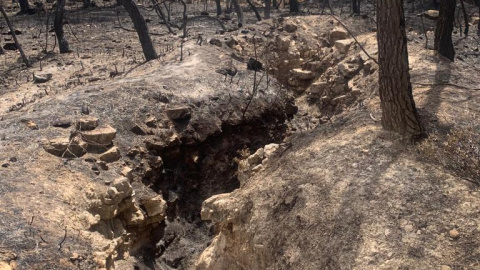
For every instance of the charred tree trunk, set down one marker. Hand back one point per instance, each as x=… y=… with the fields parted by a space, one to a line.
x=19 y=46
x=398 y=107
x=58 y=26
x=141 y=28
x=356 y=7
x=24 y=6
x=294 y=6
x=252 y=6
x=443 y=31
x=219 y=7
x=268 y=8
x=238 y=10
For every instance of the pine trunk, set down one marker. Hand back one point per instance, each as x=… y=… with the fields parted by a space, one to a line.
x=398 y=107
x=443 y=32
x=58 y=26
x=141 y=28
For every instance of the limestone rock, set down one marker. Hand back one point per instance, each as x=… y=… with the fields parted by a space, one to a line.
x=179 y=113
x=127 y=172
x=475 y=20
x=102 y=136
x=347 y=70
x=134 y=216
x=42 y=78
x=256 y=158
x=317 y=89
x=155 y=206
x=217 y=208
x=122 y=185
x=338 y=34
x=343 y=45
x=431 y=14
x=111 y=155
x=283 y=43
x=269 y=149
x=5 y=266
x=87 y=123
x=302 y=74
x=65 y=147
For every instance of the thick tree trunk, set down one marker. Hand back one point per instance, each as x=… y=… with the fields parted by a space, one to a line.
x=443 y=32
x=219 y=7
x=268 y=8
x=24 y=6
x=294 y=6
x=398 y=107
x=58 y=26
x=239 y=12
x=141 y=28
x=356 y=7
x=252 y=6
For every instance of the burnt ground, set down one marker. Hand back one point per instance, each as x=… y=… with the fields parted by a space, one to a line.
x=44 y=196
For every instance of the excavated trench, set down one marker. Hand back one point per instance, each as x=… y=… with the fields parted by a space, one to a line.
x=186 y=175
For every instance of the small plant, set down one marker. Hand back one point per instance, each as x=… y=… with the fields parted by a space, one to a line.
x=458 y=151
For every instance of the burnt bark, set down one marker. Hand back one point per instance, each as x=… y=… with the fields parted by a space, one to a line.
x=238 y=10
x=443 y=31
x=398 y=107
x=219 y=7
x=141 y=28
x=268 y=8
x=24 y=6
x=254 y=8
x=58 y=27
x=356 y=7
x=294 y=6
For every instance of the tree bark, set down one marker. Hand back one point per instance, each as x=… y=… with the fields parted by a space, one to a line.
x=356 y=7
x=58 y=26
x=443 y=31
x=294 y=6
x=24 y=6
x=219 y=7
x=259 y=18
x=398 y=107
x=19 y=46
x=141 y=28
x=238 y=10
x=268 y=8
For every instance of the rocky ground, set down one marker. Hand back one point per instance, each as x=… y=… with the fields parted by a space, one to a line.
x=108 y=163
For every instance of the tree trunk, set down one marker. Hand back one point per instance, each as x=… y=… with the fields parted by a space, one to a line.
x=141 y=28
x=239 y=12
x=252 y=6
x=398 y=107
x=356 y=7
x=443 y=32
x=24 y=6
x=268 y=8
x=219 y=7
x=12 y=30
x=58 y=26
x=294 y=6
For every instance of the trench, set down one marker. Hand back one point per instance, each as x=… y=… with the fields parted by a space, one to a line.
x=185 y=182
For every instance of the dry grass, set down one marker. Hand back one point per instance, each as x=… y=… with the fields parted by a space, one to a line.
x=458 y=151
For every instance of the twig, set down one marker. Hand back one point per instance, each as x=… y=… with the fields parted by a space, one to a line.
x=63 y=240
x=350 y=33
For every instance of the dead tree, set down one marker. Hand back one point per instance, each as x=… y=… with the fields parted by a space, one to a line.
x=443 y=31
x=141 y=28
x=294 y=6
x=399 y=113
x=356 y=7
x=17 y=44
x=268 y=8
x=58 y=27
x=238 y=10
x=219 y=7
x=254 y=8
x=24 y=6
